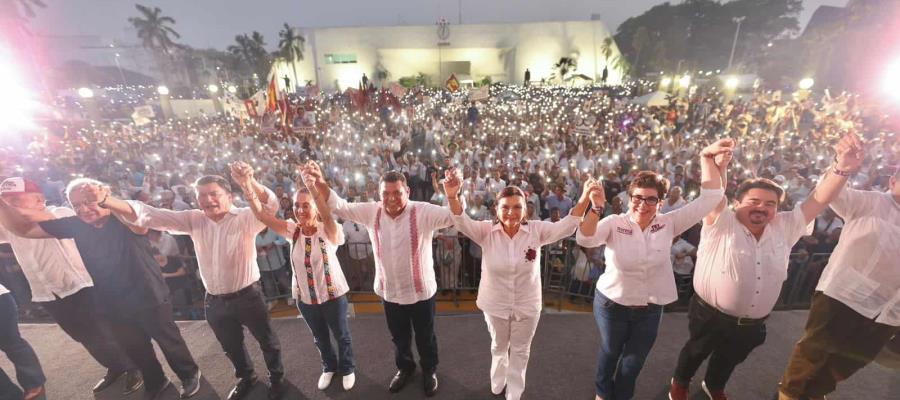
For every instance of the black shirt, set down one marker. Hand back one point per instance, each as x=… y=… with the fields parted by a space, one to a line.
x=126 y=276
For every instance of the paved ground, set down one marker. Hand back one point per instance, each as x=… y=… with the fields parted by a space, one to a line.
x=562 y=362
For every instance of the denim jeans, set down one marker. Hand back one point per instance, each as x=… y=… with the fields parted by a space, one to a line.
x=326 y=320
x=626 y=337
x=28 y=368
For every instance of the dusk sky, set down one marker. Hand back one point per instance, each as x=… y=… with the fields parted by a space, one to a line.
x=214 y=23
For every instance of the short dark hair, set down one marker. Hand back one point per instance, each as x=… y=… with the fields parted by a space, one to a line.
x=393 y=176
x=206 y=180
x=758 y=183
x=650 y=180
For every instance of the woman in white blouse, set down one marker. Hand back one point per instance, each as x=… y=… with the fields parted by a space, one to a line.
x=509 y=293
x=639 y=279
x=318 y=284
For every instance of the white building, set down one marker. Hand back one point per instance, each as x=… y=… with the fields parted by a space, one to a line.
x=340 y=56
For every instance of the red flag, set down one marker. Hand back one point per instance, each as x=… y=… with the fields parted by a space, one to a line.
x=452 y=83
x=272 y=94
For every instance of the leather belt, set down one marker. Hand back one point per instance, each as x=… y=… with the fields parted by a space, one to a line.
x=740 y=321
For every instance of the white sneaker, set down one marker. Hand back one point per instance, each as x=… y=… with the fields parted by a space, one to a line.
x=325 y=380
x=349 y=381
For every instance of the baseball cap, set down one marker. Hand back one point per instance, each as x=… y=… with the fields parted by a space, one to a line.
x=16 y=185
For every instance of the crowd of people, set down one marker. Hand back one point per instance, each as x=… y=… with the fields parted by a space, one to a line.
x=411 y=175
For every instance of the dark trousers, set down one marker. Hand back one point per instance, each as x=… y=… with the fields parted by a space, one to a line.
x=28 y=368
x=326 y=320
x=626 y=336
x=402 y=320
x=717 y=336
x=77 y=315
x=8 y=389
x=838 y=341
x=227 y=315
x=134 y=333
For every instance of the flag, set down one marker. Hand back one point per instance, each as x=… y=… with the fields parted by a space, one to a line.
x=452 y=83
x=398 y=90
x=251 y=108
x=272 y=96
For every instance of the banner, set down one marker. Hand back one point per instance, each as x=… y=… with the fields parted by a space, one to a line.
x=398 y=90
x=482 y=93
x=452 y=83
x=143 y=115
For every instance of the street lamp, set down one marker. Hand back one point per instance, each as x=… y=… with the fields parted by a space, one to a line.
x=732 y=82
x=162 y=90
x=737 y=32
x=85 y=93
x=806 y=83
x=666 y=81
x=685 y=81
x=232 y=89
x=213 y=88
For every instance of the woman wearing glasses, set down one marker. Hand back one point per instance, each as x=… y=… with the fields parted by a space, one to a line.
x=639 y=279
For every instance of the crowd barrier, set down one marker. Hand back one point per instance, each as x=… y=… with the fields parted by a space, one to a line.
x=568 y=274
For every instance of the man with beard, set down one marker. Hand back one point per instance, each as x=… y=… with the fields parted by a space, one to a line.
x=742 y=262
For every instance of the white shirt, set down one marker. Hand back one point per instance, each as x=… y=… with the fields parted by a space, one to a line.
x=638 y=263
x=864 y=271
x=667 y=207
x=3 y=290
x=226 y=250
x=325 y=288
x=357 y=239
x=742 y=276
x=399 y=277
x=53 y=267
x=681 y=260
x=510 y=279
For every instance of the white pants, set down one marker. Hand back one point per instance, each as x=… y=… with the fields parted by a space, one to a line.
x=510 y=349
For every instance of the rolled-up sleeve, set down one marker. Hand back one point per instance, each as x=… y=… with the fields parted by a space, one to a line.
x=600 y=236
x=689 y=215
x=174 y=222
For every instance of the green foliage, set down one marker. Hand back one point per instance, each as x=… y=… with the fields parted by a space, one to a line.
x=699 y=33
x=154 y=29
x=410 y=82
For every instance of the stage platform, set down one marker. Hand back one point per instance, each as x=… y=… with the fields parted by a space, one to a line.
x=562 y=362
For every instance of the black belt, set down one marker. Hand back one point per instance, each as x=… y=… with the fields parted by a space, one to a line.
x=239 y=293
x=740 y=321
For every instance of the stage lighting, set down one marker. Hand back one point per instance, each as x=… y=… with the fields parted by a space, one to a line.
x=806 y=83
x=213 y=88
x=85 y=93
x=732 y=82
x=162 y=90
x=17 y=104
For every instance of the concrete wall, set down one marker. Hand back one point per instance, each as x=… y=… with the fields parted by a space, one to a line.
x=501 y=51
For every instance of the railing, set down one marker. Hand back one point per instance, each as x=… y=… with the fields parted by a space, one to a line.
x=568 y=274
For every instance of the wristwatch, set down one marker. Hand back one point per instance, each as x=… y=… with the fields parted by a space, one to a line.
x=837 y=171
x=598 y=210
x=102 y=203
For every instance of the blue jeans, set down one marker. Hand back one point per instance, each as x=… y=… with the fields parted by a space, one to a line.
x=626 y=337
x=325 y=320
x=28 y=368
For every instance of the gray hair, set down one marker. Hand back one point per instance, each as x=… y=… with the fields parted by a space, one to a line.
x=78 y=183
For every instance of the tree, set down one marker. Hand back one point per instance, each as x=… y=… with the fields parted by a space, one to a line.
x=290 y=47
x=564 y=66
x=154 y=29
x=639 y=42
x=156 y=34
x=252 y=52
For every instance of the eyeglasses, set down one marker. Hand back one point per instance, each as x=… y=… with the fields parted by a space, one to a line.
x=650 y=201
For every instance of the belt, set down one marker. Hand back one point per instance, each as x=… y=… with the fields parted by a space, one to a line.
x=239 y=293
x=740 y=321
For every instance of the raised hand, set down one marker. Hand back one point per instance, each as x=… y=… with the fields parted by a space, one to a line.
x=718 y=147
x=723 y=159
x=850 y=153
x=452 y=182
x=598 y=195
x=586 y=188
x=242 y=173
x=94 y=193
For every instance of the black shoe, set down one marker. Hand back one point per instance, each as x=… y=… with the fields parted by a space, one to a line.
x=156 y=393
x=133 y=381
x=277 y=389
x=107 y=381
x=190 y=386
x=399 y=380
x=431 y=384
x=242 y=388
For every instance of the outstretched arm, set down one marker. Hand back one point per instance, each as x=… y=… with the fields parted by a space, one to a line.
x=19 y=224
x=850 y=154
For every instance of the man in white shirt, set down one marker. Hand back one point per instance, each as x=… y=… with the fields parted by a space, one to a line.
x=742 y=263
x=856 y=308
x=402 y=232
x=224 y=238
x=674 y=201
x=62 y=285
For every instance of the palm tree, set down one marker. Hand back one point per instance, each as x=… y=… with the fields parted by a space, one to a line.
x=290 y=47
x=251 y=50
x=153 y=29
x=564 y=66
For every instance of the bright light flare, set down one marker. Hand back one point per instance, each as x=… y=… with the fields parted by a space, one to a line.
x=685 y=81
x=85 y=93
x=17 y=104
x=890 y=82
x=162 y=90
x=731 y=82
x=806 y=83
